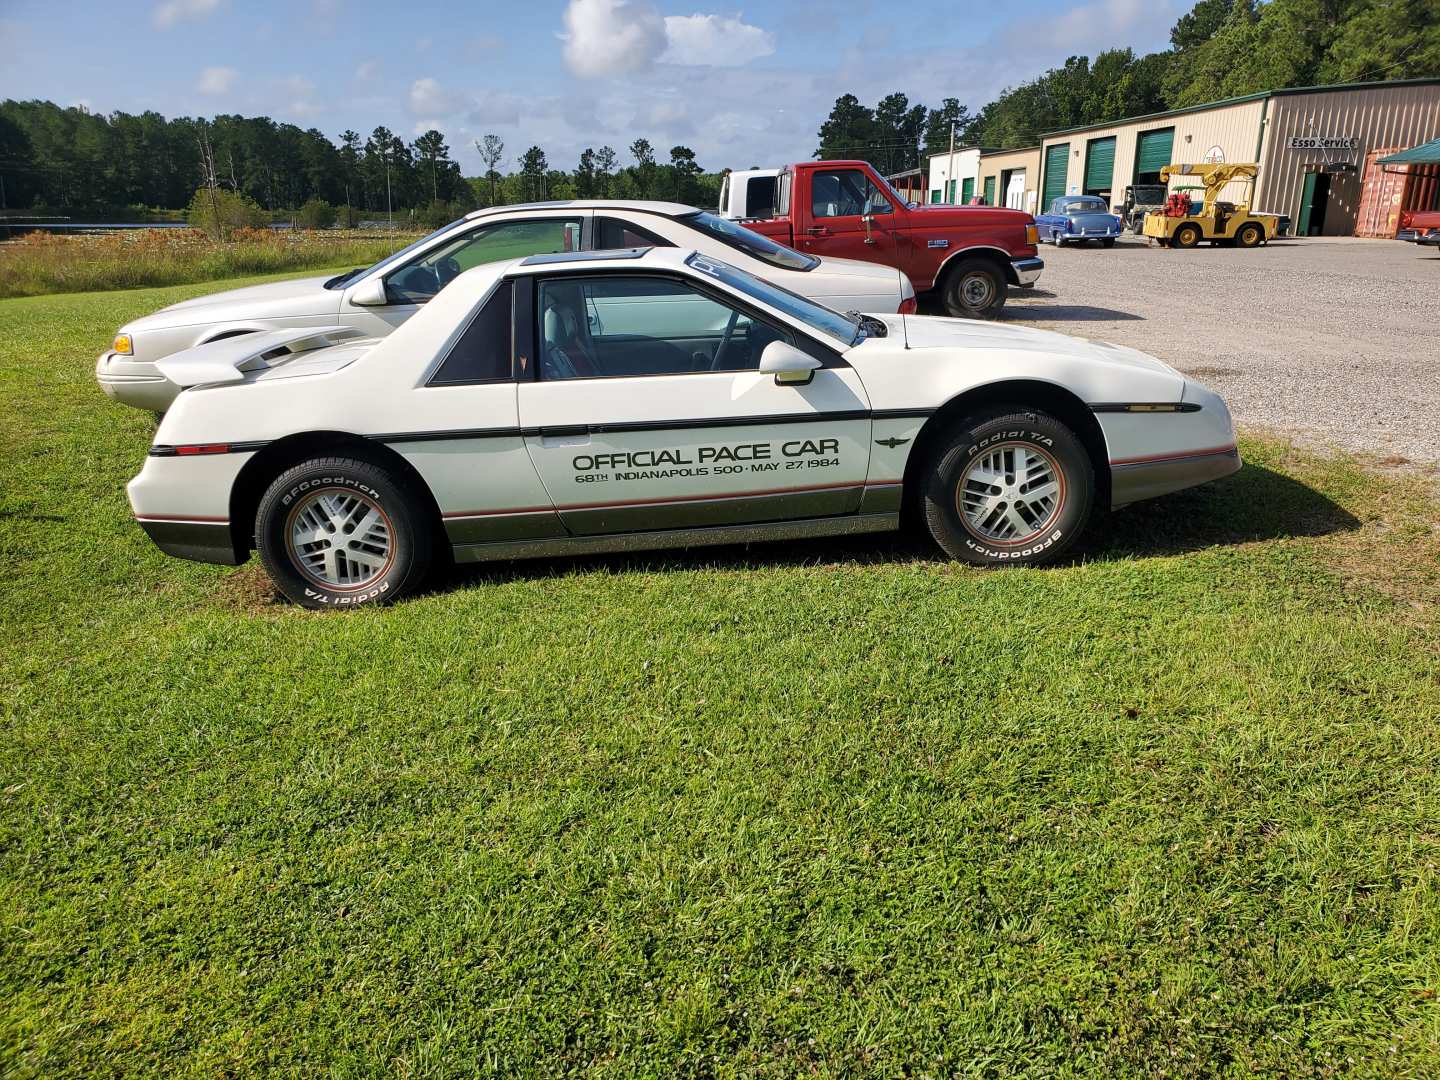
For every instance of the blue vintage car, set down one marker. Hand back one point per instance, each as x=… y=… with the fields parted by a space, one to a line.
x=1073 y=219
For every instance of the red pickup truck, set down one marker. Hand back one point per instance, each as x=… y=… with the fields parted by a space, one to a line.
x=845 y=209
x=1417 y=226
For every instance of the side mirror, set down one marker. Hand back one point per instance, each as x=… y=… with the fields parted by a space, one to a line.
x=370 y=293
x=789 y=365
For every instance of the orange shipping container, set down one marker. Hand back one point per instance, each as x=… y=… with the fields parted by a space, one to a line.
x=1389 y=190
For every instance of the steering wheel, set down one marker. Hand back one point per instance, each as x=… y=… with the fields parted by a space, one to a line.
x=725 y=341
x=446 y=271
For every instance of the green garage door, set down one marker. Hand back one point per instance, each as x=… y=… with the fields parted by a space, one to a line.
x=989 y=191
x=1152 y=153
x=1057 y=160
x=1099 y=165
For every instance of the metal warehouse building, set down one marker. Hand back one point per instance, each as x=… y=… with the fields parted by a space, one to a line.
x=1313 y=144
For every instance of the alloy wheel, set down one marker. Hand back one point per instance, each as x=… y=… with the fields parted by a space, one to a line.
x=1010 y=493
x=339 y=538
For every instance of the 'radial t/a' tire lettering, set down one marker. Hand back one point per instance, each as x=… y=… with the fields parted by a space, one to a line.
x=1008 y=487
x=339 y=532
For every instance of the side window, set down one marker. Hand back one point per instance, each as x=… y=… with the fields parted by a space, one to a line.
x=612 y=326
x=846 y=193
x=612 y=233
x=483 y=352
x=418 y=281
x=760 y=197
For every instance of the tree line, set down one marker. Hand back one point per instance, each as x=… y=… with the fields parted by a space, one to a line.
x=70 y=159
x=1218 y=49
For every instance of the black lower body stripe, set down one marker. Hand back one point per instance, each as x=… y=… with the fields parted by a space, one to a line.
x=463 y=434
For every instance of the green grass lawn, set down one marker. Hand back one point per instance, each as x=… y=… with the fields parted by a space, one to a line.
x=1172 y=808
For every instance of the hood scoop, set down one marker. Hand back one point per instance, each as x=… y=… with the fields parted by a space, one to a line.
x=231 y=359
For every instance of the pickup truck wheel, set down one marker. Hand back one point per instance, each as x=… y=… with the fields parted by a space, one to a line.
x=337 y=532
x=1008 y=486
x=975 y=289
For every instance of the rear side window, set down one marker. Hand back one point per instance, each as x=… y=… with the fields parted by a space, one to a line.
x=612 y=234
x=760 y=197
x=483 y=352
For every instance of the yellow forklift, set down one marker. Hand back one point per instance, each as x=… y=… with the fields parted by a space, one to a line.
x=1219 y=222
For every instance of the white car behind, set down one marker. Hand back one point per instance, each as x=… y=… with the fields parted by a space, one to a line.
x=377 y=299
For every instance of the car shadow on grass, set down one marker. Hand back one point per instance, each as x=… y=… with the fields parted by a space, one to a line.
x=1256 y=504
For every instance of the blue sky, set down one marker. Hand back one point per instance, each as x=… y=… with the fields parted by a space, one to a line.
x=740 y=85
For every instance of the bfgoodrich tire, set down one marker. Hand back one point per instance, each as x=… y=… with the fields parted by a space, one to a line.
x=1008 y=487
x=975 y=289
x=338 y=532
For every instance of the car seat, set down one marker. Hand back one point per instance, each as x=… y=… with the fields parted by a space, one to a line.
x=565 y=350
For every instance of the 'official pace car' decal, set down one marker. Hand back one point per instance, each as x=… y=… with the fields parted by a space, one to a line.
x=724 y=459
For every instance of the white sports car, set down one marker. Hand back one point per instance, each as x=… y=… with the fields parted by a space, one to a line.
x=376 y=299
x=608 y=401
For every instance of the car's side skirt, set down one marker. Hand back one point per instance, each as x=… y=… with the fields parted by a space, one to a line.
x=677 y=538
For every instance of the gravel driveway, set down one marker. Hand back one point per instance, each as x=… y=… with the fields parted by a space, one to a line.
x=1333 y=340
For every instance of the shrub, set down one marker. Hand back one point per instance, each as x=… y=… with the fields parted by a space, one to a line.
x=316 y=214
x=217 y=212
x=437 y=213
x=348 y=216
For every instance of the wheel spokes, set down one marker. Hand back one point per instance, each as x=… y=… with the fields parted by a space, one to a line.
x=340 y=539
x=1010 y=493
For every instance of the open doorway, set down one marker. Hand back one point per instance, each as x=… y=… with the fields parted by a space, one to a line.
x=1314 y=198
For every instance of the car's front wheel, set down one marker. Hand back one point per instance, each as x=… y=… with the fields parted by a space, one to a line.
x=340 y=532
x=975 y=289
x=1009 y=486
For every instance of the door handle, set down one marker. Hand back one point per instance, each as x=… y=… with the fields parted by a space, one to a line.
x=817 y=230
x=565 y=435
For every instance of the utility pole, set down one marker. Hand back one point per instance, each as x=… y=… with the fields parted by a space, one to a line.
x=389 y=211
x=950 y=170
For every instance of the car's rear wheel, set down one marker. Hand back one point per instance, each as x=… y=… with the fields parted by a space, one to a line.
x=1008 y=487
x=975 y=289
x=1249 y=235
x=339 y=532
x=1186 y=236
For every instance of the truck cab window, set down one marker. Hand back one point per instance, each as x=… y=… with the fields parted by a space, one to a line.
x=846 y=193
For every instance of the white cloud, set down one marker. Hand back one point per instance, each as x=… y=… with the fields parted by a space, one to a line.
x=429 y=98
x=1102 y=24
x=217 y=80
x=170 y=12
x=608 y=37
x=367 y=70
x=714 y=40
x=611 y=37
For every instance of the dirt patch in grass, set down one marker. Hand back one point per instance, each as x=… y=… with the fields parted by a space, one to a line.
x=249 y=591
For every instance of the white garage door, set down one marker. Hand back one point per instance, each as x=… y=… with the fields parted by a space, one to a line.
x=1015 y=192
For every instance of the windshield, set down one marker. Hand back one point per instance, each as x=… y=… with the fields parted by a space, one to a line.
x=895 y=194
x=343 y=279
x=751 y=243
x=1085 y=206
x=828 y=322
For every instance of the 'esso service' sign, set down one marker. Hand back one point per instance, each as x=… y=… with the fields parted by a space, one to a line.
x=1323 y=142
